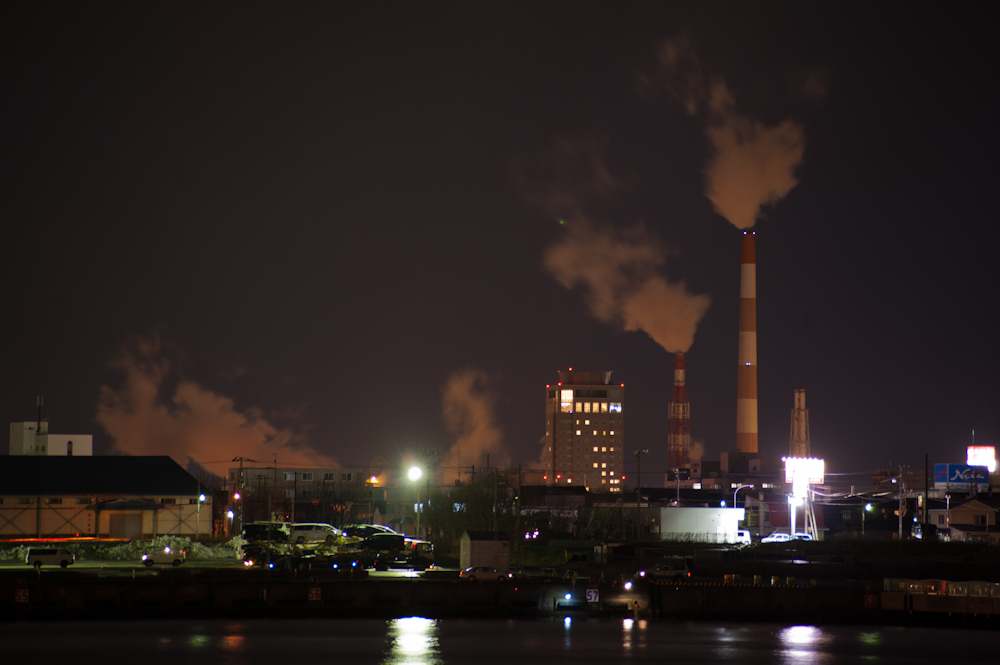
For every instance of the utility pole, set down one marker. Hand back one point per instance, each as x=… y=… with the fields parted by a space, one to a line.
x=638 y=491
x=241 y=490
x=901 y=502
x=517 y=506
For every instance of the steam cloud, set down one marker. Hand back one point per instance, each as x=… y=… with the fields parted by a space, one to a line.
x=620 y=272
x=751 y=165
x=468 y=410
x=696 y=452
x=195 y=425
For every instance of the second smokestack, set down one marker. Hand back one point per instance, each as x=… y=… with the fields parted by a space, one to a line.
x=746 y=374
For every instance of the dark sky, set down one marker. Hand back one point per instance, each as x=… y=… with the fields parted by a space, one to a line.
x=256 y=227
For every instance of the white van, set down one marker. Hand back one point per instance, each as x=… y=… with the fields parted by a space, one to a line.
x=49 y=556
x=314 y=532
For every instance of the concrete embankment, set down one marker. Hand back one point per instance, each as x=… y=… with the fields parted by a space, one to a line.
x=59 y=594
x=62 y=594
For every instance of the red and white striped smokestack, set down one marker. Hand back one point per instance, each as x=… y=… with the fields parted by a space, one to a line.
x=678 y=421
x=746 y=375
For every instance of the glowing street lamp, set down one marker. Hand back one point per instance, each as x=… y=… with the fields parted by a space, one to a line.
x=868 y=509
x=414 y=474
x=197 y=519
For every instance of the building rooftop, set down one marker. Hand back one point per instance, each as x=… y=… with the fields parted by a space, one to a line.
x=113 y=474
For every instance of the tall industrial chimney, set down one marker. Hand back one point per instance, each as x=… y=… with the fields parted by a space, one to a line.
x=798 y=442
x=746 y=375
x=678 y=421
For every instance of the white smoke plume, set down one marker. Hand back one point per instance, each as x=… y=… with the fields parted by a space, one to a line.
x=696 y=452
x=194 y=424
x=751 y=164
x=468 y=409
x=620 y=272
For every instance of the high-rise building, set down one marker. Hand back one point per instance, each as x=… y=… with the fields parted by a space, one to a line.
x=585 y=430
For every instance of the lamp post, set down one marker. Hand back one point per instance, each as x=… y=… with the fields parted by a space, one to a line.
x=638 y=492
x=197 y=519
x=414 y=475
x=736 y=505
x=867 y=509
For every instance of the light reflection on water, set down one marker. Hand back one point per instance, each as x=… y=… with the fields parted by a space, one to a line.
x=804 y=645
x=422 y=641
x=413 y=641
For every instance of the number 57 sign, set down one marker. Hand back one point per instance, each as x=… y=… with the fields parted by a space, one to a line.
x=593 y=595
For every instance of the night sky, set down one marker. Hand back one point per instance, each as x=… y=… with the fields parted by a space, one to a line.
x=320 y=229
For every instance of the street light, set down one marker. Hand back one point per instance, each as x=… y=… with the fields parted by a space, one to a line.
x=414 y=475
x=197 y=519
x=868 y=509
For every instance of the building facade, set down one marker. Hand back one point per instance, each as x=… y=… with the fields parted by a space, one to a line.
x=585 y=430
x=299 y=494
x=33 y=438
x=116 y=496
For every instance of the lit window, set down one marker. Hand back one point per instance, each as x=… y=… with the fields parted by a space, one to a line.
x=612 y=473
x=604 y=465
x=603 y=481
x=612 y=432
x=595 y=449
x=616 y=407
x=612 y=449
x=604 y=407
x=604 y=473
x=604 y=450
x=579 y=407
x=578 y=432
x=595 y=465
x=586 y=422
x=697 y=486
x=586 y=407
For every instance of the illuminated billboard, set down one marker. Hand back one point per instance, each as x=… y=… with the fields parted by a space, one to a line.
x=982 y=456
x=810 y=469
x=802 y=472
x=960 y=477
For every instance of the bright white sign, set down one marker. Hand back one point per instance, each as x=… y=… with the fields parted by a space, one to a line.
x=982 y=456
x=806 y=469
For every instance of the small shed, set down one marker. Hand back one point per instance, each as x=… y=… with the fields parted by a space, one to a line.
x=485 y=548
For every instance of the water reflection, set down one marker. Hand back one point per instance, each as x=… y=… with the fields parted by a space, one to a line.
x=198 y=641
x=803 y=644
x=627 y=626
x=413 y=641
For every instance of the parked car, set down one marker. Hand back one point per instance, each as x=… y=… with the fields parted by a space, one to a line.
x=485 y=573
x=367 y=530
x=49 y=556
x=776 y=537
x=743 y=537
x=671 y=570
x=261 y=531
x=167 y=555
x=801 y=535
x=314 y=532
